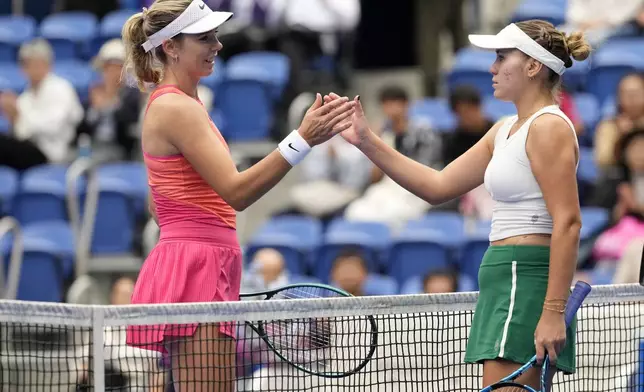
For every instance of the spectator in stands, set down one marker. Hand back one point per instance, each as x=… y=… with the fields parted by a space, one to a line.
x=114 y=108
x=472 y=124
x=628 y=213
x=599 y=19
x=269 y=266
x=334 y=174
x=440 y=281
x=414 y=140
x=349 y=271
x=630 y=114
x=44 y=117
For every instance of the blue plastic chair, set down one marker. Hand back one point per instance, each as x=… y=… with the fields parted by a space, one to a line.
x=589 y=113
x=14 y=31
x=121 y=203
x=112 y=23
x=247 y=107
x=593 y=221
x=8 y=189
x=472 y=67
x=609 y=107
x=371 y=238
x=610 y=64
x=42 y=195
x=79 y=74
x=436 y=113
x=414 y=285
x=48 y=260
x=12 y=78
x=549 y=12
x=5 y=125
x=272 y=68
x=587 y=171
x=449 y=223
x=415 y=251
x=576 y=76
x=496 y=109
x=295 y=237
x=377 y=284
x=471 y=255
x=70 y=33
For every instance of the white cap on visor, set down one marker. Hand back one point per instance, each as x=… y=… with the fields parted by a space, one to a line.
x=512 y=37
x=196 y=19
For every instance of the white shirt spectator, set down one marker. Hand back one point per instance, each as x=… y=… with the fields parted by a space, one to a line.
x=595 y=13
x=48 y=116
x=322 y=16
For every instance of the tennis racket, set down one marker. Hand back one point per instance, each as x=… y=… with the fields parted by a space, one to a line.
x=575 y=300
x=322 y=346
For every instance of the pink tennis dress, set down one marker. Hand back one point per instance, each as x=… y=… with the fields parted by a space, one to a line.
x=198 y=258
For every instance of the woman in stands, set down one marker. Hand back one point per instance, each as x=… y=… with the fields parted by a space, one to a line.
x=196 y=187
x=528 y=164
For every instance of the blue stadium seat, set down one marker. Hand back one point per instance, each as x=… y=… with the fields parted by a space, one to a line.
x=589 y=112
x=575 y=77
x=122 y=200
x=79 y=74
x=587 y=171
x=42 y=195
x=48 y=260
x=272 y=68
x=247 y=107
x=14 y=31
x=5 y=126
x=450 y=223
x=495 y=109
x=295 y=237
x=218 y=74
x=434 y=112
x=535 y=9
x=372 y=238
x=414 y=285
x=12 y=78
x=110 y=27
x=472 y=67
x=377 y=284
x=70 y=33
x=593 y=220
x=609 y=107
x=302 y=279
x=610 y=64
x=418 y=250
x=471 y=254
x=8 y=189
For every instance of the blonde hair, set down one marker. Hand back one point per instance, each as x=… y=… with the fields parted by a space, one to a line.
x=564 y=46
x=36 y=48
x=148 y=67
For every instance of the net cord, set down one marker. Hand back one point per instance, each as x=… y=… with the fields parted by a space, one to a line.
x=85 y=315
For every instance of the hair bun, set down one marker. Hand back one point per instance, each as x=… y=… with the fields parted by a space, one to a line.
x=578 y=48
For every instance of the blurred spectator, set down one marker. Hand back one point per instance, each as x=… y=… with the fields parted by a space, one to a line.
x=630 y=114
x=629 y=210
x=44 y=117
x=472 y=124
x=349 y=272
x=334 y=174
x=268 y=264
x=121 y=291
x=414 y=140
x=315 y=28
x=114 y=108
x=440 y=281
x=599 y=19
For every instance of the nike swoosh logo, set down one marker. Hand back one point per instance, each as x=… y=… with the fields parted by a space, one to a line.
x=201 y=6
x=290 y=145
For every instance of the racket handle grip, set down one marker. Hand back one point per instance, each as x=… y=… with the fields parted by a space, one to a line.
x=575 y=300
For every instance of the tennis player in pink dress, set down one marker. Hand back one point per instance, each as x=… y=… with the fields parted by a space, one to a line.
x=196 y=188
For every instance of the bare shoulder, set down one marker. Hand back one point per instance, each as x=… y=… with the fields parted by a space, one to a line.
x=170 y=109
x=551 y=132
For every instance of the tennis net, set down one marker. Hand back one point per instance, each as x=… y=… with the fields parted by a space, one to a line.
x=419 y=346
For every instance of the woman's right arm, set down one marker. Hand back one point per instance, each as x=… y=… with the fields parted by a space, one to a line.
x=436 y=187
x=182 y=122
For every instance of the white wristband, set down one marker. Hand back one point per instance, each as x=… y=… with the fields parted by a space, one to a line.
x=294 y=148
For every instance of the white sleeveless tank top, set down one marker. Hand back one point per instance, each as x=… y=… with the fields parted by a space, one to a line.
x=519 y=207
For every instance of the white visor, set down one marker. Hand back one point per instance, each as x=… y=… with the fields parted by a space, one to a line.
x=512 y=37
x=196 y=19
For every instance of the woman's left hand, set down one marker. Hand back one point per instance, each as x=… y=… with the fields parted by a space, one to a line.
x=550 y=336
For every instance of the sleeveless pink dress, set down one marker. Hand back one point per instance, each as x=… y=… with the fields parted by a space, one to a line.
x=198 y=258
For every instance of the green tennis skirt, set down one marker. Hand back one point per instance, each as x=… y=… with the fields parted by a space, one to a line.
x=513 y=280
